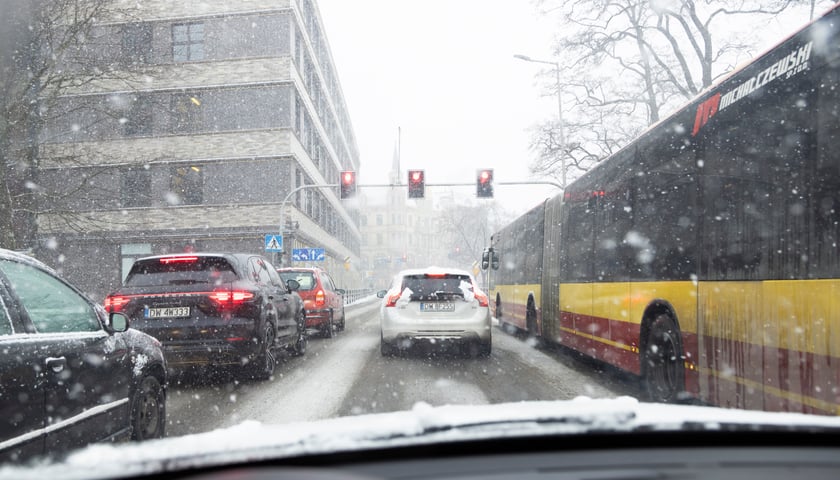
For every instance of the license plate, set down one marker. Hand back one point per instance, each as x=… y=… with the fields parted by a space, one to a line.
x=437 y=307
x=168 y=312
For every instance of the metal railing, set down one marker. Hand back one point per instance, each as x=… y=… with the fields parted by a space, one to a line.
x=351 y=296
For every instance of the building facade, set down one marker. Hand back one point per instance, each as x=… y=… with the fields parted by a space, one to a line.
x=216 y=112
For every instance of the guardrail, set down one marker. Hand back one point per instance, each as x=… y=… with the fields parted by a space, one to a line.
x=351 y=296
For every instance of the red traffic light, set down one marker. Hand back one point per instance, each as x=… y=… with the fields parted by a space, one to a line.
x=348 y=183
x=484 y=183
x=416 y=184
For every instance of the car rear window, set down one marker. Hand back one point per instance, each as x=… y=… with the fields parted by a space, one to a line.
x=305 y=279
x=436 y=287
x=200 y=270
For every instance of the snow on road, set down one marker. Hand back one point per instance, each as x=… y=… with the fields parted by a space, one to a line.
x=314 y=390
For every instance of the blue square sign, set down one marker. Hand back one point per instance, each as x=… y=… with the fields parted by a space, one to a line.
x=273 y=243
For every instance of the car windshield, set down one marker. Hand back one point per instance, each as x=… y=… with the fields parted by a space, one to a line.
x=305 y=279
x=436 y=286
x=180 y=271
x=592 y=204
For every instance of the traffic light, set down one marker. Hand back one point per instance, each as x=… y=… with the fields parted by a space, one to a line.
x=348 y=183
x=416 y=184
x=484 y=183
x=489 y=259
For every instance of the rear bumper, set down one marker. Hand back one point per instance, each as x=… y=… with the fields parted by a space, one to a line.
x=216 y=353
x=317 y=318
x=204 y=341
x=475 y=328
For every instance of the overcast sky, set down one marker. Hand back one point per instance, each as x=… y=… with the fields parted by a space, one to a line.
x=443 y=71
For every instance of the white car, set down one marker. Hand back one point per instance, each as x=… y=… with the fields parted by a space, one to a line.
x=436 y=305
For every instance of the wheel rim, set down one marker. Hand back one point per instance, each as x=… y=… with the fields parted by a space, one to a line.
x=148 y=409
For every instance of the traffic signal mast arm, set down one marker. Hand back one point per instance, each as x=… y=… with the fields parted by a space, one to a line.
x=294 y=191
x=383 y=185
x=532 y=182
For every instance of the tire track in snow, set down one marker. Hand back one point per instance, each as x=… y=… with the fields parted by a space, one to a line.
x=315 y=389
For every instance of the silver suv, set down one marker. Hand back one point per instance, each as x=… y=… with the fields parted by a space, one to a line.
x=437 y=305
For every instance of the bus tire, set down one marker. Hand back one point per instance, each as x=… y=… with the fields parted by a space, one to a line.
x=663 y=368
x=531 y=318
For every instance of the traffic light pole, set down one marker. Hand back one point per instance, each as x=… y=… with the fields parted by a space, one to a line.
x=283 y=209
x=294 y=191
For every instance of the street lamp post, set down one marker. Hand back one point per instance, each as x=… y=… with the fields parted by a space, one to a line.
x=556 y=66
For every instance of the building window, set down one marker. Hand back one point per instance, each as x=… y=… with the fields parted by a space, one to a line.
x=379 y=219
x=187 y=42
x=298 y=183
x=135 y=187
x=187 y=114
x=136 y=43
x=186 y=185
x=138 y=121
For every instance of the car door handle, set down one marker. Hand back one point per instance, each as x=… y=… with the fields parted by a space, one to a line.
x=56 y=364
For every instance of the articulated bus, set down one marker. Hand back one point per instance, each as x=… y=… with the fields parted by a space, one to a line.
x=704 y=255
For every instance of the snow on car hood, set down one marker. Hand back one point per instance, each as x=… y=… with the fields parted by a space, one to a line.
x=424 y=424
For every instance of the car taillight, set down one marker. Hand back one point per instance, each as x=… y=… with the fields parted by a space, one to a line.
x=482 y=299
x=392 y=300
x=231 y=298
x=115 y=303
x=319 y=298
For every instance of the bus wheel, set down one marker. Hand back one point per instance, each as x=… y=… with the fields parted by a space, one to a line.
x=531 y=324
x=663 y=370
x=531 y=318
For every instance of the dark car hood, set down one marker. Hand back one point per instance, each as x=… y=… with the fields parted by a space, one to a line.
x=251 y=441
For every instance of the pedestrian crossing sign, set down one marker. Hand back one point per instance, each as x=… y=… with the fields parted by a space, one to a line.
x=273 y=243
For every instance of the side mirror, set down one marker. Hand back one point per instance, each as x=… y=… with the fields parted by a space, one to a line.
x=118 y=322
x=340 y=291
x=292 y=285
x=381 y=293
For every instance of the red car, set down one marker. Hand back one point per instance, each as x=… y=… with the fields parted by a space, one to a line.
x=323 y=302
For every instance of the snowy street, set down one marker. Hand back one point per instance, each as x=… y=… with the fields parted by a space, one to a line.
x=346 y=375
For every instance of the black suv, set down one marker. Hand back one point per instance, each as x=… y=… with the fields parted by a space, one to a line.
x=214 y=309
x=70 y=374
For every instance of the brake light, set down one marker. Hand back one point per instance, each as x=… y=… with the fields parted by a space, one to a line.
x=435 y=275
x=179 y=259
x=231 y=298
x=392 y=300
x=482 y=299
x=115 y=303
x=319 y=298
